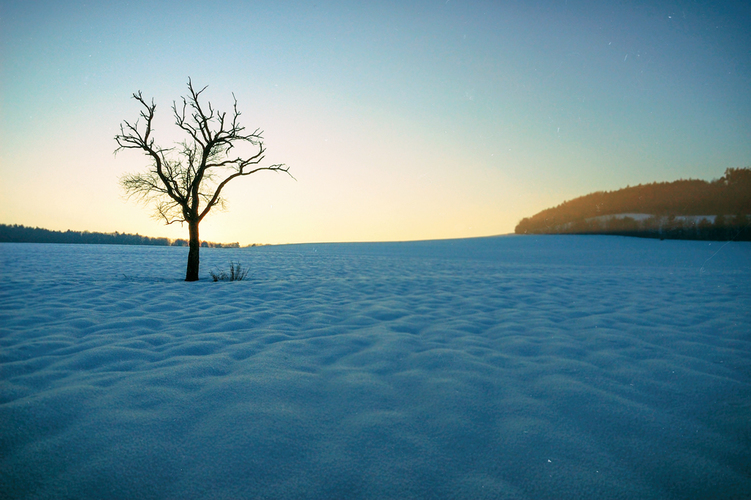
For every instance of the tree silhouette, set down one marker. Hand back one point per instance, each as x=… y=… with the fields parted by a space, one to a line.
x=186 y=181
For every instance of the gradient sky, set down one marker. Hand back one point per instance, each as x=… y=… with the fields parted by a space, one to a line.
x=399 y=120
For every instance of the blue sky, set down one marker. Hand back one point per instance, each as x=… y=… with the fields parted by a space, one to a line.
x=434 y=119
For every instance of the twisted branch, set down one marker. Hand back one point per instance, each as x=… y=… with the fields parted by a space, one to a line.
x=181 y=180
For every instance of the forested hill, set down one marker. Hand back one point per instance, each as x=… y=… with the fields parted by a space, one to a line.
x=22 y=234
x=664 y=209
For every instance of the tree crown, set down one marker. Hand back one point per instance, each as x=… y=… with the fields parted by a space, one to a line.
x=186 y=181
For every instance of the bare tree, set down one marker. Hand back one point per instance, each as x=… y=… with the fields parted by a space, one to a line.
x=185 y=182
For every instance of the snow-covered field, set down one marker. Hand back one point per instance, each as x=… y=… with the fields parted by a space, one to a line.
x=537 y=367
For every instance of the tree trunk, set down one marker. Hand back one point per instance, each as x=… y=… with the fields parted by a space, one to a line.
x=195 y=245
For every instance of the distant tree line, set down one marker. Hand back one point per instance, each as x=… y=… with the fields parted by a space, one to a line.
x=727 y=202
x=722 y=228
x=21 y=234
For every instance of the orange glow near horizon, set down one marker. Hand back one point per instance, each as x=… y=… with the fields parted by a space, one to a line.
x=439 y=120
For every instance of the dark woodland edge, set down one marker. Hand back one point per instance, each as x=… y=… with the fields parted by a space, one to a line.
x=673 y=207
x=21 y=234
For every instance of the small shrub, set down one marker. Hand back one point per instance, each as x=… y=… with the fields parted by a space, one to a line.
x=236 y=273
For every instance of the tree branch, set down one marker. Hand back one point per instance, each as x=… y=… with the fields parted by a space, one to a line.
x=181 y=180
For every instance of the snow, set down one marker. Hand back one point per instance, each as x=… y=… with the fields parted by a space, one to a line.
x=524 y=367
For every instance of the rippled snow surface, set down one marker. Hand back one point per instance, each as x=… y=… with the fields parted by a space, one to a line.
x=551 y=367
